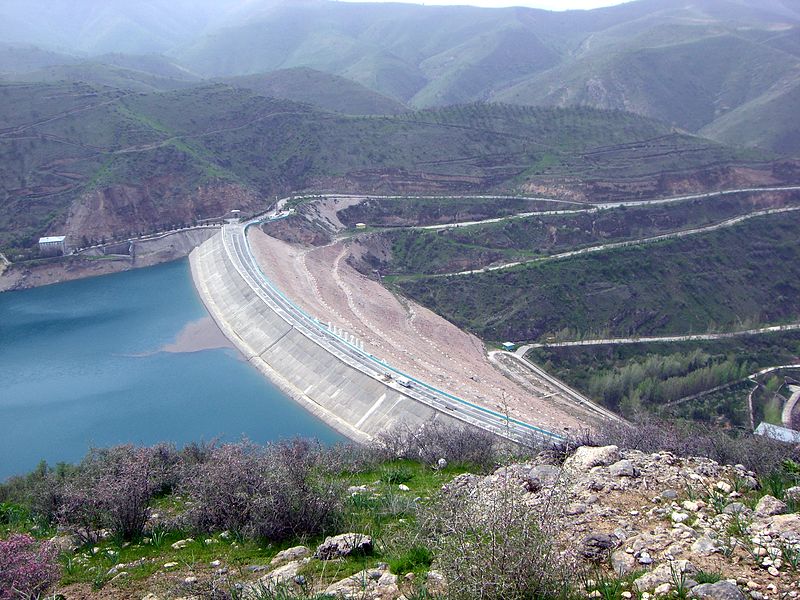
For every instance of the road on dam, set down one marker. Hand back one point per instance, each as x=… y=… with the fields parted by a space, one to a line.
x=238 y=251
x=284 y=335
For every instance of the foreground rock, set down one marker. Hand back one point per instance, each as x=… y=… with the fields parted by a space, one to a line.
x=722 y=590
x=343 y=545
x=673 y=517
x=370 y=584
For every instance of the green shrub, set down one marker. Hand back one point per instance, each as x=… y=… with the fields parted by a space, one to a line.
x=490 y=544
x=414 y=559
x=396 y=474
x=708 y=577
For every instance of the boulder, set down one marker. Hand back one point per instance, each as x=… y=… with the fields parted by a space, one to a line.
x=735 y=508
x=289 y=555
x=545 y=474
x=793 y=493
x=285 y=573
x=769 y=506
x=666 y=573
x=722 y=590
x=623 y=563
x=705 y=546
x=622 y=468
x=65 y=543
x=344 y=544
x=596 y=547
x=370 y=584
x=435 y=583
x=785 y=526
x=587 y=457
x=576 y=508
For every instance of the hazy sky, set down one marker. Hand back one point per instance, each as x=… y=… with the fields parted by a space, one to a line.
x=547 y=4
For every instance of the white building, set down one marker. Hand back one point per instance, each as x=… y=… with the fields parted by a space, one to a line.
x=53 y=246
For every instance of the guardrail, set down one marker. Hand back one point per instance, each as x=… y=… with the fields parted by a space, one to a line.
x=504 y=423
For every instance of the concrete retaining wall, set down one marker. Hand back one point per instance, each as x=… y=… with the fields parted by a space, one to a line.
x=350 y=401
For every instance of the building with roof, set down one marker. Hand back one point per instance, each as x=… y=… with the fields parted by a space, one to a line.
x=53 y=245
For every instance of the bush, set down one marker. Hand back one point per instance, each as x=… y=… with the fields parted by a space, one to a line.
x=276 y=492
x=39 y=491
x=757 y=453
x=490 y=544
x=27 y=569
x=113 y=489
x=465 y=445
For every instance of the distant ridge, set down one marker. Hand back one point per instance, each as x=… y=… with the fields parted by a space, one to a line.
x=323 y=90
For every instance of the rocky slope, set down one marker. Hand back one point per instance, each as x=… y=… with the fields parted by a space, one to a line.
x=630 y=524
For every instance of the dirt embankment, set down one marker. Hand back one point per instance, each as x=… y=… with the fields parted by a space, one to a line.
x=297 y=230
x=121 y=211
x=401 y=332
x=668 y=184
x=145 y=253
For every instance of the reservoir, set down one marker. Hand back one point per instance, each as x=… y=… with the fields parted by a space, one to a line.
x=131 y=357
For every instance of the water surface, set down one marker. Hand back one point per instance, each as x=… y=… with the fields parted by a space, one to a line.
x=109 y=360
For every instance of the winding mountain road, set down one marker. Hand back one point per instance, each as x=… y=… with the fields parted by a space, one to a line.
x=522 y=350
x=627 y=243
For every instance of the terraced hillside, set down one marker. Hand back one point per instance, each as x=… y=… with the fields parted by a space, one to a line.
x=104 y=162
x=746 y=274
x=546 y=233
x=728 y=69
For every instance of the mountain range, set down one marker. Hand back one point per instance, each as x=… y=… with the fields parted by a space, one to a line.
x=724 y=69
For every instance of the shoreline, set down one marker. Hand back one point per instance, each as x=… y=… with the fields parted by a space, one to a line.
x=328 y=418
x=147 y=253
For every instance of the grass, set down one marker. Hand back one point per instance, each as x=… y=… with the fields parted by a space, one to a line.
x=416 y=559
x=715 y=281
x=611 y=587
x=384 y=512
x=92 y=564
x=708 y=577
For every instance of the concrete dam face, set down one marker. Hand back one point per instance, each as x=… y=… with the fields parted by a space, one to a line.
x=358 y=404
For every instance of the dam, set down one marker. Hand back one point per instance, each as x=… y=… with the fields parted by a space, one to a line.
x=349 y=389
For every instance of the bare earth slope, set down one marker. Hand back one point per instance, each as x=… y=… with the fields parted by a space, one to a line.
x=404 y=334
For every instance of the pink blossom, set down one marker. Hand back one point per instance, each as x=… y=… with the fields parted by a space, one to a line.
x=27 y=569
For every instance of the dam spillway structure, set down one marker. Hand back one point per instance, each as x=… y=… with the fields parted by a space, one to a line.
x=319 y=365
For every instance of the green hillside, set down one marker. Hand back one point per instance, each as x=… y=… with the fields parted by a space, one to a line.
x=419 y=252
x=667 y=82
x=689 y=65
x=99 y=74
x=75 y=157
x=323 y=90
x=769 y=121
x=747 y=274
x=25 y=58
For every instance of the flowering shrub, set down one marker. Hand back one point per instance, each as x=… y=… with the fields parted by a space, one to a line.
x=275 y=492
x=27 y=569
x=113 y=490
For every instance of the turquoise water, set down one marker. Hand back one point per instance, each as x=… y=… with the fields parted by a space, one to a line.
x=80 y=366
